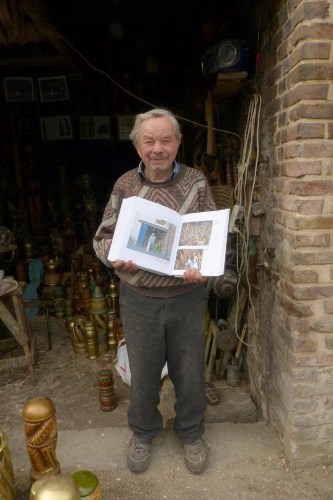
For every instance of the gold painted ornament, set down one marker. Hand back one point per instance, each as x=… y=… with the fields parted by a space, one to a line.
x=59 y=487
x=41 y=433
x=7 y=490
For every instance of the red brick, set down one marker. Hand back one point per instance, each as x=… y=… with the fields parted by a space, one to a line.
x=302 y=292
x=282 y=119
x=280 y=218
x=297 y=309
x=323 y=325
x=297 y=275
x=282 y=16
x=311 y=188
x=330 y=131
x=309 y=222
x=300 y=168
x=304 y=344
x=317 y=31
x=305 y=91
x=272 y=108
x=329 y=308
x=273 y=76
x=282 y=51
x=310 y=240
x=304 y=375
x=303 y=405
x=306 y=11
x=315 y=10
x=309 y=50
x=311 y=71
x=322 y=110
x=299 y=325
x=279 y=184
x=309 y=207
x=308 y=150
x=319 y=361
x=303 y=131
x=328 y=402
x=280 y=154
x=312 y=258
x=329 y=342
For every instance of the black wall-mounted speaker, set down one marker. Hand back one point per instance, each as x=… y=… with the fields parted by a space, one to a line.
x=229 y=55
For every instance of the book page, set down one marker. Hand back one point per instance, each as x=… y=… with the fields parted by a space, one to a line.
x=146 y=235
x=202 y=243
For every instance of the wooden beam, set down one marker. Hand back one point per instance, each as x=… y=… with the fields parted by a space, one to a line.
x=36 y=62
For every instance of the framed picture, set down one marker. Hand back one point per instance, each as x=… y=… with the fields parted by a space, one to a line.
x=124 y=124
x=56 y=127
x=95 y=127
x=19 y=89
x=53 y=88
x=25 y=126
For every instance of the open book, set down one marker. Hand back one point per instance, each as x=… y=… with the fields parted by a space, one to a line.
x=159 y=240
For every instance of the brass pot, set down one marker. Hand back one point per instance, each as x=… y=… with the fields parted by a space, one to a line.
x=51 y=265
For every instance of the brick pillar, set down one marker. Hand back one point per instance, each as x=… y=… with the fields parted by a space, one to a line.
x=291 y=362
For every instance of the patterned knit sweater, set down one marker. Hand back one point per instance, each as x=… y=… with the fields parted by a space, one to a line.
x=188 y=192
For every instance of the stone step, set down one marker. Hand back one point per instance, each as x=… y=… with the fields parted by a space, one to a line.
x=235 y=404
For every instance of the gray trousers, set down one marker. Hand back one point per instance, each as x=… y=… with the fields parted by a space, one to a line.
x=168 y=330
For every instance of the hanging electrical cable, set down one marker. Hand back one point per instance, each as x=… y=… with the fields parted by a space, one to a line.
x=244 y=198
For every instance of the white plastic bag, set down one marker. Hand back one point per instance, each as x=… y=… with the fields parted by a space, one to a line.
x=122 y=365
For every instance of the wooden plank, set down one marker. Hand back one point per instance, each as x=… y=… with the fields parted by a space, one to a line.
x=211 y=350
x=13 y=325
x=12 y=363
x=222 y=364
x=240 y=343
x=8 y=344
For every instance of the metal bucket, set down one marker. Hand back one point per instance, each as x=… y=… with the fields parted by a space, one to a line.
x=233 y=375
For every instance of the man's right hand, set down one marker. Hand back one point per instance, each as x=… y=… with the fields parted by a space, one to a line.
x=125 y=266
x=121 y=264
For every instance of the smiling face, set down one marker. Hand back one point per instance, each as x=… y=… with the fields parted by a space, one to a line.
x=157 y=147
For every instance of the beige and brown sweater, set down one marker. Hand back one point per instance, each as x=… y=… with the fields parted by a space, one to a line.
x=188 y=192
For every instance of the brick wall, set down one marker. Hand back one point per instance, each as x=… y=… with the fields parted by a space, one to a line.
x=291 y=361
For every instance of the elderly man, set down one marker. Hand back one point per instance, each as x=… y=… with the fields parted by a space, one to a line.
x=163 y=317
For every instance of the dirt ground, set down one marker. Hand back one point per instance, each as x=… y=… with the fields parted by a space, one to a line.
x=246 y=460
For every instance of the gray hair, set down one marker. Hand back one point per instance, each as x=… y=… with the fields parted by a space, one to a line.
x=154 y=113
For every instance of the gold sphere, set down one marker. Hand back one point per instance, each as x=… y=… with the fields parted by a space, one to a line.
x=38 y=409
x=58 y=487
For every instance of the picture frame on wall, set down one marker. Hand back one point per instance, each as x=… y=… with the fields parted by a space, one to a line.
x=25 y=126
x=95 y=127
x=19 y=89
x=55 y=128
x=124 y=126
x=53 y=88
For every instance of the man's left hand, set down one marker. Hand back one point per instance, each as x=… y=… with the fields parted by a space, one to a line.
x=194 y=276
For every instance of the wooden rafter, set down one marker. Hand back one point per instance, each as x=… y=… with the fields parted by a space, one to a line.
x=21 y=21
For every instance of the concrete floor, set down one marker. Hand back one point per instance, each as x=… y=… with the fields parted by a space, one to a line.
x=246 y=459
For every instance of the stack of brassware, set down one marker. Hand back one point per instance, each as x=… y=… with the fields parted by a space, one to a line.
x=107 y=396
x=69 y=309
x=78 y=339
x=112 y=329
x=98 y=314
x=102 y=341
x=91 y=340
x=52 y=276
